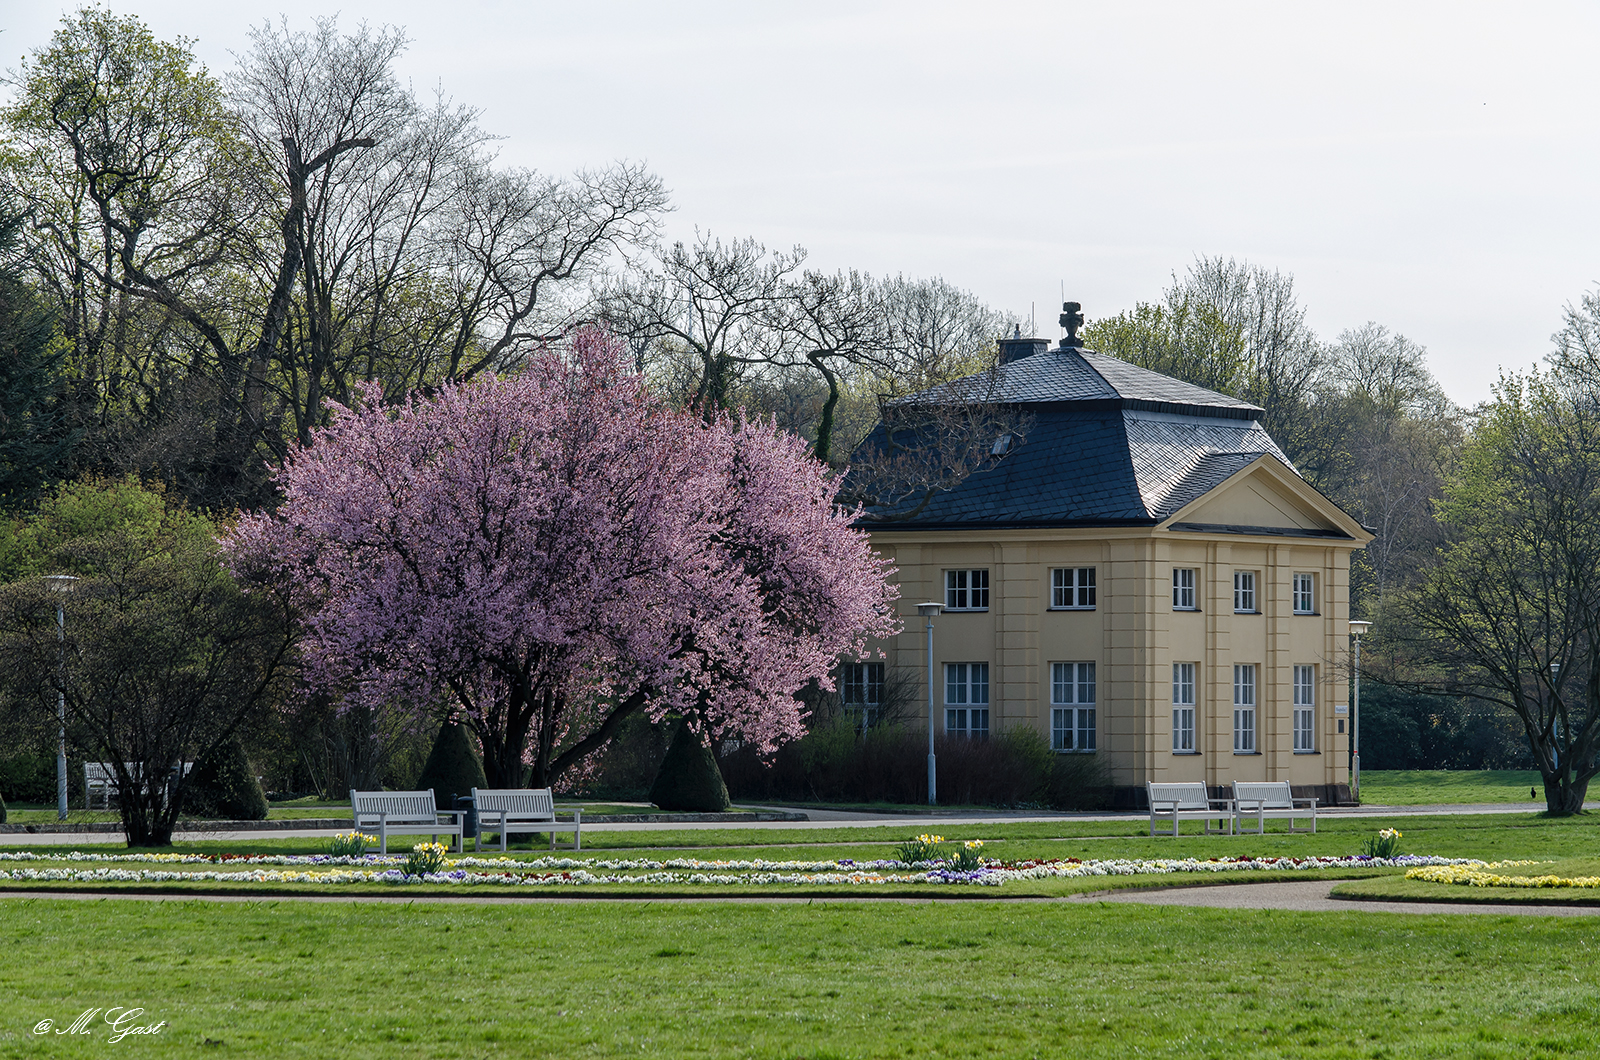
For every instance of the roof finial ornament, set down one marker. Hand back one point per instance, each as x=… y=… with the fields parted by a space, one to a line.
x=1072 y=320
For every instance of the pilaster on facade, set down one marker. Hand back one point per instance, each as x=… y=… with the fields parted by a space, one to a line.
x=1017 y=635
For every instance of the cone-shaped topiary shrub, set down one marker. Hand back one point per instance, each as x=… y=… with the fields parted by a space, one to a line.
x=452 y=768
x=689 y=779
x=225 y=788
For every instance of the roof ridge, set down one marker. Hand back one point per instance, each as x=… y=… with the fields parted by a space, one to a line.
x=1080 y=351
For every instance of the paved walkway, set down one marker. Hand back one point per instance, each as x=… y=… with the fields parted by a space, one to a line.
x=1313 y=896
x=936 y=821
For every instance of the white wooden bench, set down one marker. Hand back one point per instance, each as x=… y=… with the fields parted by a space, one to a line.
x=100 y=778
x=404 y=813
x=505 y=810
x=1258 y=800
x=1189 y=801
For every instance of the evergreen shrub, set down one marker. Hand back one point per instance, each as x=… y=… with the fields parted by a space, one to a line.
x=453 y=768
x=689 y=780
x=225 y=788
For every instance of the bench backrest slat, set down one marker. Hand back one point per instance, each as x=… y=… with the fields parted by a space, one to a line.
x=400 y=806
x=535 y=802
x=1268 y=794
x=1187 y=796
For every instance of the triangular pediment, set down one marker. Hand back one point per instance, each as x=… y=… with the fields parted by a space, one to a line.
x=1267 y=497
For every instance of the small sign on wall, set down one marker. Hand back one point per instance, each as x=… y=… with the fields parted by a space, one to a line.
x=1341 y=708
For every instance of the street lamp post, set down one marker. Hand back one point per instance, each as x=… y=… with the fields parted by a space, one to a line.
x=1356 y=630
x=928 y=610
x=61 y=583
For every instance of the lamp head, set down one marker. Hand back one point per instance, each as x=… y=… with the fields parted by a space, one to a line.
x=1358 y=628
x=61 y=583
x=929 y=609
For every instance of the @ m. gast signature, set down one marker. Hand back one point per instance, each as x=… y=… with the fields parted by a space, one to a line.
x=120 y=1021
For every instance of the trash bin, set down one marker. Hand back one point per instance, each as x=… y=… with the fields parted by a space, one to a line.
x=469 y=826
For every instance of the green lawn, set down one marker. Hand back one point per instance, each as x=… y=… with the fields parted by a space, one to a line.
x=1423 y=787
x=970 y=979
x=827 y=978
x=1489 y=836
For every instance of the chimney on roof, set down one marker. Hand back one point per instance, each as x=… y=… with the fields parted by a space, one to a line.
x=1016 y=347
x=1072 y=320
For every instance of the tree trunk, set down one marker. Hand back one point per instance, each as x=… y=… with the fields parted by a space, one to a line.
x=824 y=447
x=148 y=813
x=1564 y=793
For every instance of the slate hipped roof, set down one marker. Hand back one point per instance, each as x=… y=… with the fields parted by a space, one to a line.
x=1111 y=444
x=1083 y=376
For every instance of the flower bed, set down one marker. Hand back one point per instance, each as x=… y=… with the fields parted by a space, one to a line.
x=694 y=872
x=1483 y=875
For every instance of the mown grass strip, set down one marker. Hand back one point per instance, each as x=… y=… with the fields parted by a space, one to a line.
x=870 y=980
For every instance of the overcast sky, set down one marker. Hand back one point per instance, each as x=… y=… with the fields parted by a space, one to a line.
x=1432 y=167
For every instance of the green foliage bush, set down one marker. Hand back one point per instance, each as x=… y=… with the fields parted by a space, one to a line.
x=628 y=765
x=836 y=762
x=452 y=768
x=1408 y=730
x=31 y=778
x=689 y=779
x=225 y=788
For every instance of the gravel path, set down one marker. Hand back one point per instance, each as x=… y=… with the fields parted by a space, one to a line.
x=1314 y=896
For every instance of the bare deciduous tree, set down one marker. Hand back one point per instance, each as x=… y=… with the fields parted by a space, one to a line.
x=710 y=303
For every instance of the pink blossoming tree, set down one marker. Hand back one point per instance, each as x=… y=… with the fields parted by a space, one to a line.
x=557 y=552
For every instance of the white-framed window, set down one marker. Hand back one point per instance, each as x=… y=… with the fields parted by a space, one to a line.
x=966 y=590
x=861 y=688
x=1305 y=708
x=1244 y=592
x=1183 y=579
x=1183 y=708
x=1244 y=708
x=1305 y=593
x=1072 y=587
x=966 y=700
x=1072 y=694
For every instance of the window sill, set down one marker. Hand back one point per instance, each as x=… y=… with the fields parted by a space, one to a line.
x=1246 y=754
x=1308 y=752
x=1186 y=754
x=1074 y=608
x=1238 y=612
x=1188 y=610
x=1310 y=614
x=965 y=610
x=1071 y=751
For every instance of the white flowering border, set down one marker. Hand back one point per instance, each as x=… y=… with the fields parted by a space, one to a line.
x=694 y=872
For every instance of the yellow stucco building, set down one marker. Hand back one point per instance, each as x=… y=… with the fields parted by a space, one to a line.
x=1140 y=574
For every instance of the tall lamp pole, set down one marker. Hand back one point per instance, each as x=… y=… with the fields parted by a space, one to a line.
x=61 y=583
x=1356 y=630
x=928 y=610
